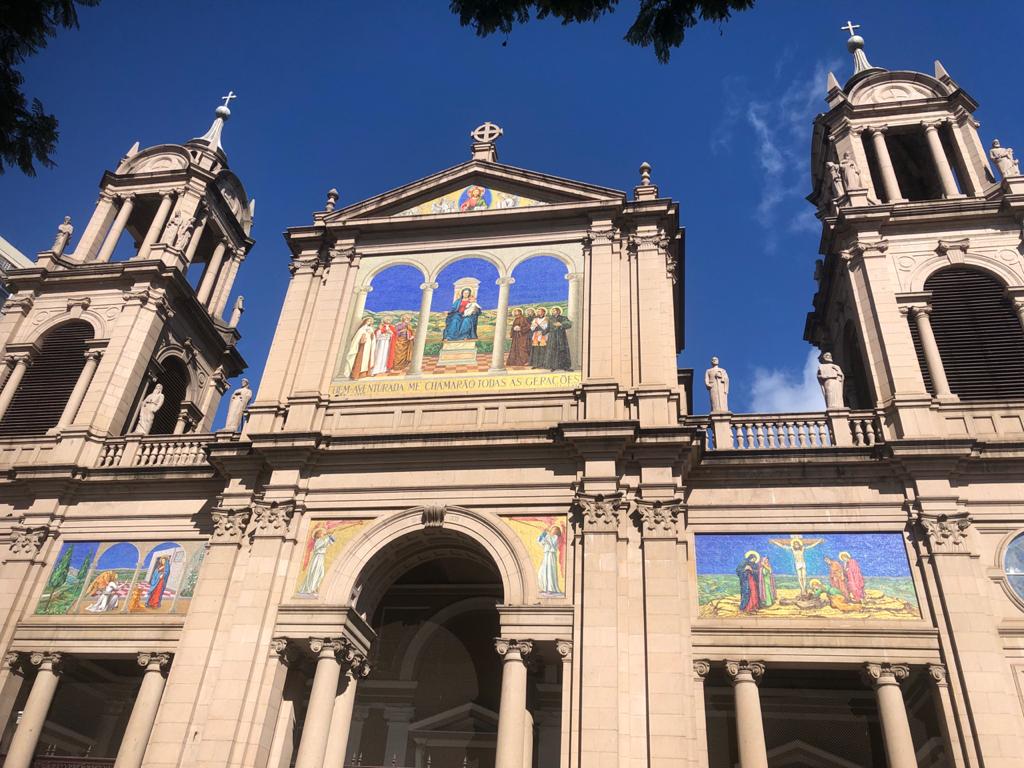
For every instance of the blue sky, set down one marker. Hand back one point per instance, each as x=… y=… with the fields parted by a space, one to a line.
x=369 y=96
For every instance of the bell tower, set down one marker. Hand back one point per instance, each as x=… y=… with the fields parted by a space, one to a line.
x=138 y=303
x=921 y=288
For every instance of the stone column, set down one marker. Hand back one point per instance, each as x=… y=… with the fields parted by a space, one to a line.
x=7 y=365
x=209 y=278
x=181 y=423
x=355 y=668
x=93 y=231
x=1018 y=305
x=899 y=744
x=26 y=736
x=416 y=366
x=701 y=670
x=564 y=648
x=21 y=361
x=193 y=242
x=512 y=709
x=949 y=189
x=889 y=182
x=922 y=318
x=156 y=227
x=92 y=360
x=944 y=708
x=574 y=312
x=745 y=676
x=500 y=325
x=527 y=739
x=396 y=746
x=147 y=702
x=110 y=242
x=224 y=289
x=320 y=709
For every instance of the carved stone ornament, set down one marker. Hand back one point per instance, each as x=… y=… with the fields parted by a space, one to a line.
x=13 y=660
x=161 y=659
x=78 y=301
x=745 y=671
x=598 y=513
x=885 y=673
x=701 y=668
x=230 y=524
x=658 y=518
x=433 y=516
x=18 y=303
x=937 y=672
x=319 y=645
x=864 y=249
x=506 y=646
x=564 y=648
x=54 y=660
x=273 y=518
x=27 y=540
x=946 y=535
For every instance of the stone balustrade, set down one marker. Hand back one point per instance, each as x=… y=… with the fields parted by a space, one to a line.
x=790 y=431
x=154 y=451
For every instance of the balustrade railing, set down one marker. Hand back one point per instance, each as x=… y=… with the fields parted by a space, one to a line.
x=154 y=451
x=790 y=431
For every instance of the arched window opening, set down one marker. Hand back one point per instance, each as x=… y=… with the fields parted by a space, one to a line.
x=978 y=334
x=174 y=378
x=49 y=381
x=858 y=388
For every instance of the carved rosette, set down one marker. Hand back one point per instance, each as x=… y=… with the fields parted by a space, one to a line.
x=598 y=513
x=885 y=673
x=945 y=534
x=27 y=541
x=229 y=524
x=745 y=671
x=658 y=518
x=272 y=519
x=160 y=660
x=513 y=650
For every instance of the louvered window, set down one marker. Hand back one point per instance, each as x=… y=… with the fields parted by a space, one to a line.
x=46 y=388
x=857 y=389
x=175 y=381
x=979 y=336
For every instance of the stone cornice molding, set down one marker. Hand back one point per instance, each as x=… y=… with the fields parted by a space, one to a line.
x=744 y=671
x=946 y=534
x=229 y=524
x=879 y=674
x=598 y=513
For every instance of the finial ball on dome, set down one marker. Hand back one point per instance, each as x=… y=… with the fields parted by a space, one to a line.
x=222 y=111
x=855 y=43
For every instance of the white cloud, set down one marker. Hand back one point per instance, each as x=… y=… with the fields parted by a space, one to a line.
x=787 y=391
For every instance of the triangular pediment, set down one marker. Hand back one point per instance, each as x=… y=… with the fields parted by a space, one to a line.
x=463 y=718
x=476 y=187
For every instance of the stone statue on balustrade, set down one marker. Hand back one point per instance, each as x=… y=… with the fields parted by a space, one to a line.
x=172 y=228
x=236 y=313
x=147 y=412
x=236 y=407
x=64 y=232
x=838 y=190
x=1003 y=157
x=831 y=378
x=184 y=235
x=717 y=381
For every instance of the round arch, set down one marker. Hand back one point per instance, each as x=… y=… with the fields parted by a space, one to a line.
x=99 y=330
x=411 y=656
x=176 y=353
x=490 y=258
x=367 y=278
x=993 y=267
x=570 y=264
x=395 y=542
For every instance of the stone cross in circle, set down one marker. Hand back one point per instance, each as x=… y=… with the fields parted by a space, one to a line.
x=850 y=26
x=486 y=133
x=229 y=97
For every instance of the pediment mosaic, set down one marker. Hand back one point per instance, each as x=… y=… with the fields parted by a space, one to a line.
x=469 y=199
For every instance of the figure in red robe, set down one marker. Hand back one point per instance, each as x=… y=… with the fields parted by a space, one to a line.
x=836 y=576
x=748 y=575
x=157 y=583
x=854 y=578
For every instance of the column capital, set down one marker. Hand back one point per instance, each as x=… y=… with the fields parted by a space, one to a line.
x=323 y=646
x=93 y=354
x=272 y=519
x=28 y=540
x=564 y=648
x=946 y=534
x=958 y=249
x=937 y=672
x=931 y=125
x=701 y=669
x=505 y=281
x=127 y=197
x=884 y=673
x=47 y=659
x=571 y=276
x=744 y=671
x=229 y=524
x=423 y=287
x=16 y=358
x=154 y=660
x=877 y=130
x=167 y=194
x=18 y=303
x=658 y=518
x=916 y=310
x=513 y=650
x=598 y=513
x=13 y=660
x=285 y=649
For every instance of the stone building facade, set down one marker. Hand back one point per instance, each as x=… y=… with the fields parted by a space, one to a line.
x=470 y=518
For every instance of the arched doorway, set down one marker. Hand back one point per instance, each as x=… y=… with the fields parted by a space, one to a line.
x=436 y=680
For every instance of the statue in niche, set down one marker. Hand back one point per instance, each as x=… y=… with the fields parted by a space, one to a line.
x=64 y=232
x=837 y=180
x=172 y=228
x=236 y=312
x=184 y=235
x=831 y=378
x=239 y=402
x=717 y=381
x=1003 y=157
x=851 y=172
x=154 y=402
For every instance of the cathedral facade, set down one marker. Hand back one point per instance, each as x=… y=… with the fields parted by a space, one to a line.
x=469 y=517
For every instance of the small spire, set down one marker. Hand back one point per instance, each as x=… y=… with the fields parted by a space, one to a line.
x=221 y=114
x=252 y=209
x=332 y=199
x=831 y=84
x=646 y=190
x=855 y=45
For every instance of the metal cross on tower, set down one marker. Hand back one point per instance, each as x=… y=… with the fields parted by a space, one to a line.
x=486 y=133
x=231 y=95
x=850 y=27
